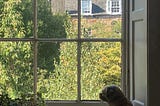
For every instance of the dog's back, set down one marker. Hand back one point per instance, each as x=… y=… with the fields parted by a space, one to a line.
x=123 y=102
x=114 y=96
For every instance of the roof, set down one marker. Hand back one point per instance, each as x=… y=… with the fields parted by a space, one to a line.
x=71 y=6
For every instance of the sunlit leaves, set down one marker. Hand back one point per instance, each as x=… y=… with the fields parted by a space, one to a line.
x=16 y=57
x=62 y=84
x=16 y=60
x=57 y=62
x=11 y=22
x=100 y=65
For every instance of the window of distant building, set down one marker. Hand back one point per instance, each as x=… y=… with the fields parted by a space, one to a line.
x=113 y=7
x=86 y=7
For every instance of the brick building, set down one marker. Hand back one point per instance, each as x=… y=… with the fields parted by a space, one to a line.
x=88 y=7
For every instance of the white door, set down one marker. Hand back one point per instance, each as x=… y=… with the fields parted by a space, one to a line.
x=138 y=52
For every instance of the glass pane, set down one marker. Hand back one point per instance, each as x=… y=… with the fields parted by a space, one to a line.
x=57 y=71
x=101 y=66
x=16 y=62
x=116 y=7
x=56 y=19
x=86 y=6
x=16 y=19
x=101 y=27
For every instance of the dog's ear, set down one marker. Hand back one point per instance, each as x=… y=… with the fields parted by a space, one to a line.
x=103 y=94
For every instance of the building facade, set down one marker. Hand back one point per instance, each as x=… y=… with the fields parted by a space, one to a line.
x=88 y=7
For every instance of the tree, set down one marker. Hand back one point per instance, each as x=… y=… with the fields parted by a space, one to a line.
x=49 y=26
x=100 y=65
x=16 y=58
x=57 y=71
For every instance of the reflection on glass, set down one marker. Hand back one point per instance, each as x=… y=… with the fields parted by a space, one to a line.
x=101 y=65
x=57 y=72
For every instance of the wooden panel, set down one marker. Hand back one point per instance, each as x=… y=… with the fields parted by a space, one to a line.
x=138 y=51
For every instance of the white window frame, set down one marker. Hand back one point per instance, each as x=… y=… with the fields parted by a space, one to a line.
x=35 y=41
x=110 y=6
x=80 y=102
x=87 y=10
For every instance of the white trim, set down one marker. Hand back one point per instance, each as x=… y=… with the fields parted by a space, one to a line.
x=75 y=103
x=109 y=7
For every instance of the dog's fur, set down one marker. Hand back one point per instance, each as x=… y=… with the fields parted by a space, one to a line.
x=114 y=96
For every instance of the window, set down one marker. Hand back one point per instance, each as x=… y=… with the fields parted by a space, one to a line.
x=67 y=59
x=113 y=7
x=86 y=7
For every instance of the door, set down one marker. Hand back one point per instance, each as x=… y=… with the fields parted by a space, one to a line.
x=138 y=52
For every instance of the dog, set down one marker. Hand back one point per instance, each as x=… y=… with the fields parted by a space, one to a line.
x=114 y=96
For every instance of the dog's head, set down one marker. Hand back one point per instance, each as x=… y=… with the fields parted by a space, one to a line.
x=111 y=94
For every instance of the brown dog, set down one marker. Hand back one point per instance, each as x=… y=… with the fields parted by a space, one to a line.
x=114 y=96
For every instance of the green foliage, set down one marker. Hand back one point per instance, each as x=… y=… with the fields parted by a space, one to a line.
x=11 y=20
x=100 y=65
x=16 y=60
x=49 y=26
x=48 y=53
x=110 y=62
x=116 y=28
x=57 y=61
x=17 y=57
x=62 y=84
x=24 y=100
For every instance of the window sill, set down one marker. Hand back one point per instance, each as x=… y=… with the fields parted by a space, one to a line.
x=75 y=103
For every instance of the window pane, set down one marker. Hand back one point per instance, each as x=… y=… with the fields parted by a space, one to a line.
x=101 y=65
x=57 y=71
x=54 y=19
x=116 y=7
x=16 y=62
x=101 y=27
x=16 y=19
x=59 y=26
x=86 y=6
x=57 y=60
